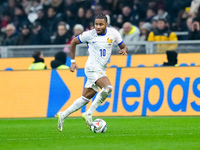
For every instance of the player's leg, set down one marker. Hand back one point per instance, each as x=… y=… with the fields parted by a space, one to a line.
x=88 y=93
x=106 y=89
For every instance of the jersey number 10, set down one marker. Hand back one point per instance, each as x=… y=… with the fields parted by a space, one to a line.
x=102 y=52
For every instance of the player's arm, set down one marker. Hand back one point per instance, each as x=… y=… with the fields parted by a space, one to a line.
x=73 y=44
x=123 y=49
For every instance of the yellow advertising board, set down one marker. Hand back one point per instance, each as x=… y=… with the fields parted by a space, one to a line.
x=141 y=91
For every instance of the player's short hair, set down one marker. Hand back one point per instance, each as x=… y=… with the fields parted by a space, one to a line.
x=102 y=16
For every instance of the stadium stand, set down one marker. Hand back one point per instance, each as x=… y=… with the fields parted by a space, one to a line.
x=182 y=18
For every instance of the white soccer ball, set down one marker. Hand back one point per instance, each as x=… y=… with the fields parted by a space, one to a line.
x=99 y=126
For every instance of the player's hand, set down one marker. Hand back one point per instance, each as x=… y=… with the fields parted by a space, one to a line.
x=123 y=52
x=73 y=67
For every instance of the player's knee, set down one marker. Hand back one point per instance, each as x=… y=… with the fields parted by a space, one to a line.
x=106 y=90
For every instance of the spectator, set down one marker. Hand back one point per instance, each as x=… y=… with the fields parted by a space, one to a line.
x=69 y=17
x=162 y=33
x=60 y=61
x=84 y=3
x=11 y=7
x=46 y=2
x=189 y=23
x=70 y=4
x=172 y=59
x=107 y=4
x=126 y=14
x=89 y=18
x=162 y=13
x=20 y=17
x=81 y=17
x=144 y=31
x=63 y=34
x=138 y=12
x=40 y=35
x=129 y=34
x=2 y=37
x=195 y=4
x=32 y=16
x=11 y=35
x=6 y=19
x=52 y=20
x=38 y=63
x=150 y=14
x=36 y=5
x=154 y=23
x=24 y=37
x=26 y=5
x=98 y=9
x=194 y=33
x=152 y=5
x=176 y=6
x=141 y=22
x=78 y=29
x=42 y=19
x=1 y=8
x=50 y=12
x=58 y=5
x=181 y=23
x=117 y=21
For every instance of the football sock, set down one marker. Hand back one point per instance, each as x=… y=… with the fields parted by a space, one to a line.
x=80 y=102
x=100 y=98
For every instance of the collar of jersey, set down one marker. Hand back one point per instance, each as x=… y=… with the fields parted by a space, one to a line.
x=104 y=33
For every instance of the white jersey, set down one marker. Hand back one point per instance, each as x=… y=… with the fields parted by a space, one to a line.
x=99 y=47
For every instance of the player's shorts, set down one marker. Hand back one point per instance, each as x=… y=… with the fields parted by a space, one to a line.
x=92 y=77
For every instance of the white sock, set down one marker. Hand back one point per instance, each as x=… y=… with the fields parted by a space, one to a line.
x=100 y=98
x=77 y=104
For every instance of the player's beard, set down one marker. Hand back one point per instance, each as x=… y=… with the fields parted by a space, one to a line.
x=102 y=32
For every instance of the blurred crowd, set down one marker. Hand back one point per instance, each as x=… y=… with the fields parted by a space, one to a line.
x=42 y=22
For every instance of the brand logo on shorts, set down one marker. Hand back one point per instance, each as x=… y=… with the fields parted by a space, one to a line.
x=100 y=72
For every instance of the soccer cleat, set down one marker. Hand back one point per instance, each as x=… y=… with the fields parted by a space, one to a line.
x=88 y=119
x=60 y=121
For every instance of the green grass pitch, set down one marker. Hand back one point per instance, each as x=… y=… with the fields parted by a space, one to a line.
x=124 y=133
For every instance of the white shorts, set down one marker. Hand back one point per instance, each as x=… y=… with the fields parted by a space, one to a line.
x=92 y=77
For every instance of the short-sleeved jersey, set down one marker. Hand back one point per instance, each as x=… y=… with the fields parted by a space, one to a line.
x=99 y=47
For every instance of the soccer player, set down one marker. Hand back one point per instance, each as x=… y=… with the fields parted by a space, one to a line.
x=100 y=41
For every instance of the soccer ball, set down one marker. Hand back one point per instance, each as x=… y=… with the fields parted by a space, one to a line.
x=99 y=126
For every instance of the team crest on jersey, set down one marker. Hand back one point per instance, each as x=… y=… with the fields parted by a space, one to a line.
x=109 y=41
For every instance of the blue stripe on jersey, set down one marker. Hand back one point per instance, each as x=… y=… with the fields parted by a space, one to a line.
x=79 y=39
x=121 y=42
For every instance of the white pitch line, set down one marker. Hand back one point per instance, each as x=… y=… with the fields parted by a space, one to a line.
x=74 y=137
